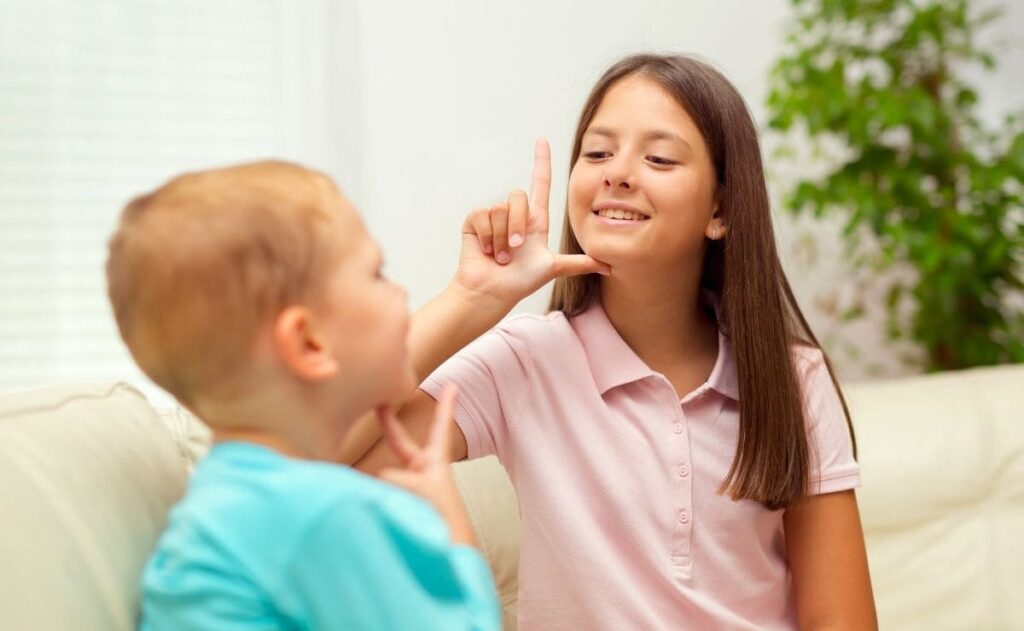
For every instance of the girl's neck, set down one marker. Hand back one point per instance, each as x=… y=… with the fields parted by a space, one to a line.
x=660 y=317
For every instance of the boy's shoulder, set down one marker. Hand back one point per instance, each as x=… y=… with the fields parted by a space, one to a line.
x=241 y=483
x=254 y=525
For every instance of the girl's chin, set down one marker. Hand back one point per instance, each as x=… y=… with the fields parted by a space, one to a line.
x=614 y=254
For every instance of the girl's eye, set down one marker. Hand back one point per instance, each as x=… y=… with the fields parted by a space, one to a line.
x=661 y=161
x=596 y=155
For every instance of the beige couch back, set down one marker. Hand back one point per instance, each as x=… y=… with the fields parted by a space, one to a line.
x=86 y=477
x=942 y=461
x=88 y=473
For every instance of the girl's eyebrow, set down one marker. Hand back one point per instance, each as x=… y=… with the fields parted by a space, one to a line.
x=653 y=134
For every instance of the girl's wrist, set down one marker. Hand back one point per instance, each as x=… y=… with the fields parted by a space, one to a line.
x=478 y=305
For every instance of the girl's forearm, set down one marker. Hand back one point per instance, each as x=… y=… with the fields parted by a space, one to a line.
x=447 y=323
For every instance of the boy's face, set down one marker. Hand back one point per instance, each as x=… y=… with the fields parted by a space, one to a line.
x=366 y=319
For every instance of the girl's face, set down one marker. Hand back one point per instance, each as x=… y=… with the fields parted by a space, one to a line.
x=642 y=191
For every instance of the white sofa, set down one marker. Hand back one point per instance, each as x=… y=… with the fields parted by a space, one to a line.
x=87 y=475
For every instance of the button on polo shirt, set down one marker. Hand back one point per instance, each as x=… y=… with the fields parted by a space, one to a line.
x=623 y=525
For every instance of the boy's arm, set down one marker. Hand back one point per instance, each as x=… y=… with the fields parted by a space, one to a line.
x=425 y=470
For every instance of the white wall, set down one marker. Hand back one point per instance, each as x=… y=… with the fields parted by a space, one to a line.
x=454 y=92
x=100 y=102
x=421 y=111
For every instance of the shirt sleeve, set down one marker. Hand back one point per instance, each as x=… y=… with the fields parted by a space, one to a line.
x=492 y=376
x=364 y=567
x=833 y=467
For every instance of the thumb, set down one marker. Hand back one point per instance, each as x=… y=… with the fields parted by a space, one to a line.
x=577 y=264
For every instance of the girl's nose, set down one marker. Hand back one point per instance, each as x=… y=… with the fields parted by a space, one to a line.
x=618 y=175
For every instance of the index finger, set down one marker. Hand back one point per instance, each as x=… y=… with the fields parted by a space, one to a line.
x=540 y=185
x=403 y=446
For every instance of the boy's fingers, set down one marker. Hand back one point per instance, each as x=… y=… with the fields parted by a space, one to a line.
x=440 y=445
x=395 y=434
x=576 y=264
x=399 y=477
x=540 y=184
x=499 y=231
x=518 y=215
x=479 y=223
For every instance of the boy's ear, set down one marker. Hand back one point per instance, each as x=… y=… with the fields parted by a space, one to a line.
x=301 y=346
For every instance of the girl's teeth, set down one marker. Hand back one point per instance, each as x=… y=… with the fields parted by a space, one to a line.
x=617 y=213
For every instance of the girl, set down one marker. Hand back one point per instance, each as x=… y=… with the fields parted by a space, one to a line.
x=676 y=437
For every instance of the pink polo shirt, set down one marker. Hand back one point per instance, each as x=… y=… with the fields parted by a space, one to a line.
x=623 y=526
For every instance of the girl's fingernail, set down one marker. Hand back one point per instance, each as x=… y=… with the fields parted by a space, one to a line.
x=502 y=257
x=515 y=240
x=604 y=272
x=488 y=248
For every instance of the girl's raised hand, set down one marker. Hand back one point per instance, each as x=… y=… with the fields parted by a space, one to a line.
x=505 y=253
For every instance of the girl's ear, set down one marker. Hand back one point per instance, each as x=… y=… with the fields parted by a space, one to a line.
x=716 y=228
x=301 y=347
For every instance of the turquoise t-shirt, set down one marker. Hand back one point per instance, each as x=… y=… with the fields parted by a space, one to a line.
x=262 y=541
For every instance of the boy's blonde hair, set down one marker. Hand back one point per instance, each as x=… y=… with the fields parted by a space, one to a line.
x=199 y=265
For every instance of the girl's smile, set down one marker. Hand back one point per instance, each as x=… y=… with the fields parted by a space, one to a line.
x=619 y=214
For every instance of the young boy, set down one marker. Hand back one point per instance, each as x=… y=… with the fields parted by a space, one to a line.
x=253 y=294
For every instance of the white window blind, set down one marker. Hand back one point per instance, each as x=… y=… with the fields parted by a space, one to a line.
x=102 y=101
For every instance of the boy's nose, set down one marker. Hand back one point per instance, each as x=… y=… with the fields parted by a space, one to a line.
x=403 y=293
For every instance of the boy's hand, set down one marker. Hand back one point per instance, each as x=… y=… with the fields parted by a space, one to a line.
x=505 y=253
x=427 y=471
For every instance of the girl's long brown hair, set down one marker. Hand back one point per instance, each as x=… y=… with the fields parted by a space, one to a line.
x=772 y=460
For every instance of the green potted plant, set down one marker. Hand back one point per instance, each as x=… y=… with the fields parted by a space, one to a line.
x=919 y=184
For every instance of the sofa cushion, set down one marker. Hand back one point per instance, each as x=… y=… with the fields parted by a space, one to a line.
x=491 y=503
x=942 y=464
x=87 y=475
